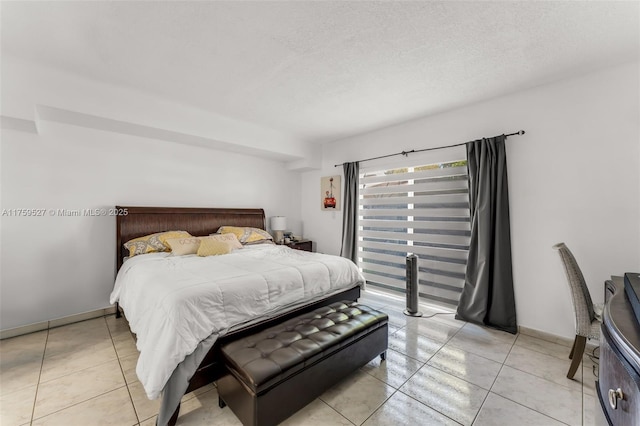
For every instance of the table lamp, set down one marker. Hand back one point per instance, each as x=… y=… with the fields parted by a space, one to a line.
x=278 y=224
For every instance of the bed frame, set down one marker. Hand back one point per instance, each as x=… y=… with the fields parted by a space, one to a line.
x=139 y=221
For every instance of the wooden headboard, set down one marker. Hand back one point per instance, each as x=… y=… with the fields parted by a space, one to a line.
x=140 y=221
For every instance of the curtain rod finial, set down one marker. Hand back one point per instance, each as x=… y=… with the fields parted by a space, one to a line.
x=521 y=132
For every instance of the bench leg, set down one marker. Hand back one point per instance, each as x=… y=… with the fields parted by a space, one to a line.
x=383 y=355
x=221 y=403
x=118 y=314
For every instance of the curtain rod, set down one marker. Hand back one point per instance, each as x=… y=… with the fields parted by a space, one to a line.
x=406 y=153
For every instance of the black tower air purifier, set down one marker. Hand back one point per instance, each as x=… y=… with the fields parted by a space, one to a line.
x=412 y=286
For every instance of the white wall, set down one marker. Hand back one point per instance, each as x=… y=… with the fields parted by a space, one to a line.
x=52 y=267
x=574 y=177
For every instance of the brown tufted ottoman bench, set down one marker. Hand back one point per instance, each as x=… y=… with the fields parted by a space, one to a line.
x=278 y=371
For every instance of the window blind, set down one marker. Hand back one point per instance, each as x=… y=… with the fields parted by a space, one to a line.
x=421 y=209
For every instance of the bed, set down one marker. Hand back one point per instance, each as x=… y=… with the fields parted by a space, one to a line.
x=203 y=365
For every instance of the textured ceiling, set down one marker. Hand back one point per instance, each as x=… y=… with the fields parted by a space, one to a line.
x=320 y=71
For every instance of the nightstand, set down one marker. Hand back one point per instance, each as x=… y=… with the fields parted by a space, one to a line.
x=305 y=245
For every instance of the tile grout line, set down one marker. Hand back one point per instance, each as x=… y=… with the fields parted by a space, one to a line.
x=122 y=371
x=429 y=407
x=386 y=399
x=339 y=413
x=416 y=372
x=488 y=390
x=529 y=408
x=381 y=405
x=502 y=364
x=425 y=362
x=516 y=402
x=62 y=353
x=520 y=370
x=596 y=364
x=77 y=403
x=35 y=397
x=582 y=398
x=77 y=371
x=484 y=401
x=383 y=402
x=547 y=380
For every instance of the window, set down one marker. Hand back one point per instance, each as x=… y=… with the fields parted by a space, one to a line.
x=422 y=209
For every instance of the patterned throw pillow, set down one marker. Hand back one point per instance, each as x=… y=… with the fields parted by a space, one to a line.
x=153 y=243
x=164 y=236
x=246 y=234
x=184 y=246
x=229 y=238
x=212 y=247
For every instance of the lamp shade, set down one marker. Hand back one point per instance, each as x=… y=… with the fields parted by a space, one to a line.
x=278 y=223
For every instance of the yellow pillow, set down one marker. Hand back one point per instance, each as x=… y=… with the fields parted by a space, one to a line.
x=183 y=246
x=245 y=234
x=230 y=239
x=153 y=243
x=211 y=247
x=164 y=236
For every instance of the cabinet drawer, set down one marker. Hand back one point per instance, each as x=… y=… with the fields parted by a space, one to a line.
x=615 y=373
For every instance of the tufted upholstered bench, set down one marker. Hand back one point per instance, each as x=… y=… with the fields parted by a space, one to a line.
x=276 y=372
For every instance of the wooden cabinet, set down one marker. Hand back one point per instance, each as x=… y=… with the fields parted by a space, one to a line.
x=305 y=245
x=618 y=383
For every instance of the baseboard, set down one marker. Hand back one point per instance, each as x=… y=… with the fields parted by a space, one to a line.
x=560 y=340
x=45 y=325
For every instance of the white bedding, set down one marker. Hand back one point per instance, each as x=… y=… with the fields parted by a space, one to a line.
x=174 y=302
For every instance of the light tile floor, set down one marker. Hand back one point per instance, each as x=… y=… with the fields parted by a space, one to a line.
x=438 y=371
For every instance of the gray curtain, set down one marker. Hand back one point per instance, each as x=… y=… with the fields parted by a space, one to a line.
x=350 y=212
x=487 y=297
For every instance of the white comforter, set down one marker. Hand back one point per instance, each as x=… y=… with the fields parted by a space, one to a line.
x=174 y=302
